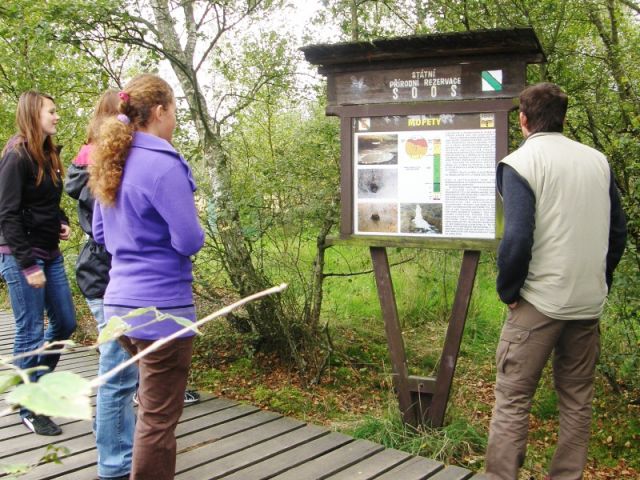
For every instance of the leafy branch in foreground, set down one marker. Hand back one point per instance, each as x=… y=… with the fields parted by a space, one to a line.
x=67 y=394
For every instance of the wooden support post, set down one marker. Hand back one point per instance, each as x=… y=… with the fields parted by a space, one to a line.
x=449 y=358
x=394 y=333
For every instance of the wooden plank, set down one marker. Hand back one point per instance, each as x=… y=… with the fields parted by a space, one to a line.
x=8 y=351
x=346 y=177
x=333 y=462
x=236 y=421
x=232 y=438
x=452 y=473
x=471 y=106
x=20 y=440
x=502 y=150
x=75 y=358
x=77 y=362
x=86 y=458
x=292 y=458
x=373 y=466
x=88 y=356
x=82 y=464
x=413 y=242
x=421 y=389
x=401 y=85
x=449 y=357
x=394 y=333
x=202 y=415
x=75 y=445
x=215 y=460
x=417 y=468
x=17 y=439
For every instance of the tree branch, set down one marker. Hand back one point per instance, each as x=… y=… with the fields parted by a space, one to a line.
x=163 y=341
x=631 y=4
x=366 y=272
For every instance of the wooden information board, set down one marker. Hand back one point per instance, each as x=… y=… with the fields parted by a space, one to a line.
x=424 y=121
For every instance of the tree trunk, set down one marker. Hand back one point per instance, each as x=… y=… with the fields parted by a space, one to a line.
x=264 y=315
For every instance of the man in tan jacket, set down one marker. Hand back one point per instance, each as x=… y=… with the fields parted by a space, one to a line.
x=564 y=235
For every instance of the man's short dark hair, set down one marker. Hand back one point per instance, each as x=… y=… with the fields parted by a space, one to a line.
x=545 y=106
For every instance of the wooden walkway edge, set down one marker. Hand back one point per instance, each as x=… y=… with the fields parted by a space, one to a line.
x=220 y=439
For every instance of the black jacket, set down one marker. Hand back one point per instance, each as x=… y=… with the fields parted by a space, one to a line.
x=30 y=214
x=94 y=262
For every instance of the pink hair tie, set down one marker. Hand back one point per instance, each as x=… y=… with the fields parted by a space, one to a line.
x=123 y=118
x=124 y=96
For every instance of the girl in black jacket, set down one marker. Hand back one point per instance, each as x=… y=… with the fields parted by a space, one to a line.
x=31 y=226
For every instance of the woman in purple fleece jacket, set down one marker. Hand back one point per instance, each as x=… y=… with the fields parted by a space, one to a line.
x=145 y=215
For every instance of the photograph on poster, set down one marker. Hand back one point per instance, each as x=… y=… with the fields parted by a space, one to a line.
x=380 y=149
x=425 y=218
x=378 y=183
x=378 y=217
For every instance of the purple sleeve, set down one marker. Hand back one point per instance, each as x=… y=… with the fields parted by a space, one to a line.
x=173 y=199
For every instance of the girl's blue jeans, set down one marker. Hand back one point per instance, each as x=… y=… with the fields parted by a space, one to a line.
x=29 y=304
x=115 y=419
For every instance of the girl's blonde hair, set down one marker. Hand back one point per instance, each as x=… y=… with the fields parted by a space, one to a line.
x=30 y=137
x=107 y=106
x=112 y=144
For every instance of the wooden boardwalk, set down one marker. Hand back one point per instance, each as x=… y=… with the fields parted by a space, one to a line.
x=221 y=439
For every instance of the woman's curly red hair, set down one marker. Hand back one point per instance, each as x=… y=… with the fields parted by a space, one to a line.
x=112 y=144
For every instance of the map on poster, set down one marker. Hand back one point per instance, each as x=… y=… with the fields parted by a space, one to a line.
x=425 y=175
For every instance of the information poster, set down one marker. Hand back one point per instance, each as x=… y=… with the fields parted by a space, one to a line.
x=425 y=175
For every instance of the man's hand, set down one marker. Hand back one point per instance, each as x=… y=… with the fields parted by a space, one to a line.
x=65 y=231
x=36 y=279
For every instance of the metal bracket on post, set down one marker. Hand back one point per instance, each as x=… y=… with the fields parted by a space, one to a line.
x=423 y=400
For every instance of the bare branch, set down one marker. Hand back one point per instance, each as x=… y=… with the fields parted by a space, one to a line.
x=631 y=4
x=192 y=34
x=159 y=343
x=223 y=27
x=366 y=272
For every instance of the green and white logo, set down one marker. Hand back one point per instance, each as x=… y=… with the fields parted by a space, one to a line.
x=492 y=80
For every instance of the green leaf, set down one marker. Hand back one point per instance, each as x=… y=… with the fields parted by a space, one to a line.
x=114 y=329
x=8 y=380
x=15 y=469
x=59 y=394
x=139 y=312
x=53 y=454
